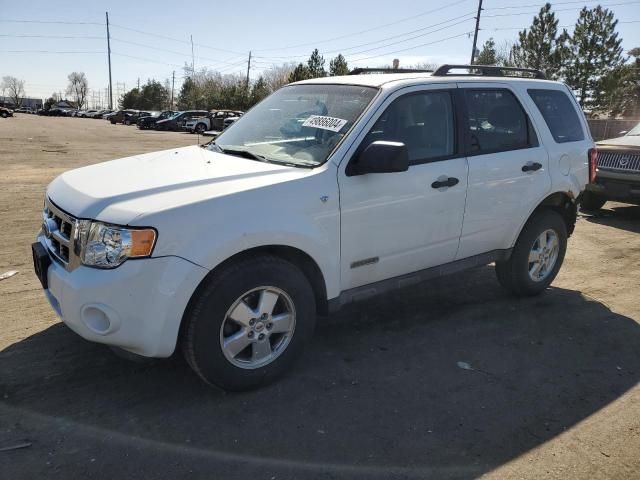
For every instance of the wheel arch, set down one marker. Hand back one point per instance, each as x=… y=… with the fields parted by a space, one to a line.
x=564 y=203
x=297 y=257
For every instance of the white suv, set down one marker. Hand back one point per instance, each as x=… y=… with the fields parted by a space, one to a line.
x=328 y=191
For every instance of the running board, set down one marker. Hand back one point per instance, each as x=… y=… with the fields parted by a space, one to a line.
x=373 y=289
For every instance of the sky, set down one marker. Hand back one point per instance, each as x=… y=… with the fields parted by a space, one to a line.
x=42 y=41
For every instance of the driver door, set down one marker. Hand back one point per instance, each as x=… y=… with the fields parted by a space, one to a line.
x=398 y=223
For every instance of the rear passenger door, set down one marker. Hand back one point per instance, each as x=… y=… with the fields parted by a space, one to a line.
x=508 y=167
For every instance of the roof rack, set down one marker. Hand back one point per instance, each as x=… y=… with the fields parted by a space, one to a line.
x=487 y=71
x=360 y=71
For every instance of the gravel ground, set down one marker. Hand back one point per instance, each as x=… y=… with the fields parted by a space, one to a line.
x=552 y=390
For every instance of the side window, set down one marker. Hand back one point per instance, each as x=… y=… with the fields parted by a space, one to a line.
x=497 y=122
x=424 y=122
x=559 y=114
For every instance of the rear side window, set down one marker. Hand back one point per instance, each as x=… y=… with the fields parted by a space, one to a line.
x=559 y=114
x=497 y=122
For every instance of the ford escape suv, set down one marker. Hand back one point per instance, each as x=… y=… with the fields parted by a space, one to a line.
x=328 y=191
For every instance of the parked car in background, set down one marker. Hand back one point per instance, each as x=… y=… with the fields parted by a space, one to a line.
x=132 y=118
x=218 y=119
x=99 y=113
x=87 y=113
x=177 y=121
x=212 y=121
x=617 y=175
x=119 y=116
x=23 y=110
x=229 y=121
x=6 y=112
x=150 y=120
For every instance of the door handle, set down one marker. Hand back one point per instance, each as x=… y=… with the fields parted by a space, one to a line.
x=445 y=182
x=531 y=167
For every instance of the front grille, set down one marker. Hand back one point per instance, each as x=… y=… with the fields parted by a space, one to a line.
x=619 y=161
x=59 y=229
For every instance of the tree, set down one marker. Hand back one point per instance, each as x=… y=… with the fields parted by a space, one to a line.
x=315 y=64
x=487 y=55
x=301 y=72
x=338 y=66
x=153 y=96
x=593 y=52
x=14 y=88
x=540 y=47
x=130 y=99
x=78 y=88
x=621 y=88
x=278 y=75
x=49 y=102
x=258 y=91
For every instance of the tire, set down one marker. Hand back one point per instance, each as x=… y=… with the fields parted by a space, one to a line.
x=515 y=274
x=4 y=115
x=208 y=323
x=591 y=201
x=200 y=128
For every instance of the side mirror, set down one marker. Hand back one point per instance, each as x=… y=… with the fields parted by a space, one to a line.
x=380 y=157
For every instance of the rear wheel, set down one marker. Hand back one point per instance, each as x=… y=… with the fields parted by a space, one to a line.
x=592 y=201
x=537 y=255
x=249 y=323
x=3 y=115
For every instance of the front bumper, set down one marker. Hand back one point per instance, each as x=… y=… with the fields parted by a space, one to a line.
x=137 y=306
x=621 y=186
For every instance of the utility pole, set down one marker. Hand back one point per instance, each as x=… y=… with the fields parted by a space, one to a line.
x=193 y=61
x=173 y=81
x=138 y=83
x=248 y=68
x=109 y=56
x=475 y=35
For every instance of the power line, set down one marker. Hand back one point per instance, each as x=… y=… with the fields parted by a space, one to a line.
x=146 y=59
x=409 y=39
x=52 y=51
x=52 y=22
x=559 y=26
x=365 y=31
x=559 y=10
x=182 y=54
x=582 y=2
x=85 y=37
x=415 y=46
x=142 y=32
x=343 y=50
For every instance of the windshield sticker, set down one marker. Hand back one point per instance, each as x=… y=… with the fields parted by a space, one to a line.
x=325 y=123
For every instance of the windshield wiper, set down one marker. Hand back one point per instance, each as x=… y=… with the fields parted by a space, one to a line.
x=244 y=154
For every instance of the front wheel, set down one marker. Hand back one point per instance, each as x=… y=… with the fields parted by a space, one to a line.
x=201 y=128
x=3 y=115
x=249 y=323
x=537 y=255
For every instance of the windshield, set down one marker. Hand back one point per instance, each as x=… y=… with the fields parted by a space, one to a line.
x=635 y=130
x=298 y=125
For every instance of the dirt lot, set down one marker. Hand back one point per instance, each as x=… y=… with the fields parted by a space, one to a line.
x=553 y=392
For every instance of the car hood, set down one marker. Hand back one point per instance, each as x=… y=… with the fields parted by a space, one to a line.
x=122 y=190
x=630 y=140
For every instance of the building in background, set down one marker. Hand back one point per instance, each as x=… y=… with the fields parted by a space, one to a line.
x=33 y=103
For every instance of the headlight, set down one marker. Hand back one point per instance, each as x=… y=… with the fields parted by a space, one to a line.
x=107 y=246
